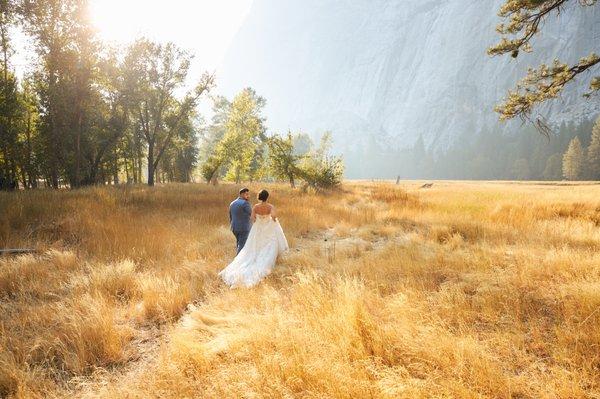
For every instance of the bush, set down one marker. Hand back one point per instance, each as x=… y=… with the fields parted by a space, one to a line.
x=325 y=173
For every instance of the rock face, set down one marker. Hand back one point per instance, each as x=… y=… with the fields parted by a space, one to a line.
x=395 y=70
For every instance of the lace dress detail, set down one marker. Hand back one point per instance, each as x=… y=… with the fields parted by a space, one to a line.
x=256 y=260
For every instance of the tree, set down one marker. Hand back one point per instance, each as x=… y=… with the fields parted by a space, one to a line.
x=283 y=161
x=211 y=136
x=521 y=170
x=320 y=170
x=107 y=119
x=573 y=161
x=553 y=169
x=325 y=173
x=60 y=35
x=9 y=102
x=181 y=158
x=302 y=144
x=210 y=168
x=525 y=18
x=593 y=152
x=89 y=112
x=156 y=72
x=244 y=132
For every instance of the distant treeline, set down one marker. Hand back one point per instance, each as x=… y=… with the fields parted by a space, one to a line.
x=488 y=155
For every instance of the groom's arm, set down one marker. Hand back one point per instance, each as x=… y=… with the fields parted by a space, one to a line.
x=247 y=208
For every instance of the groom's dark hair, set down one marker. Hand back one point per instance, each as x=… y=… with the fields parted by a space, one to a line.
x=244 y=190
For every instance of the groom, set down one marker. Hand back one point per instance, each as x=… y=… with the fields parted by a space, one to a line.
x=239 y=218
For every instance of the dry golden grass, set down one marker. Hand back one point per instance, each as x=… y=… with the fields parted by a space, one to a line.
x=463 y=290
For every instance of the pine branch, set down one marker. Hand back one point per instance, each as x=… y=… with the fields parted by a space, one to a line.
x=545 y=82
x=542 y=84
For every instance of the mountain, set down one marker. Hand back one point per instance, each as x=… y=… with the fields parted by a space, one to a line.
x=395 y=70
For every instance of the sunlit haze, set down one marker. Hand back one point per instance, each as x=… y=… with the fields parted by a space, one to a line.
x=203 y=27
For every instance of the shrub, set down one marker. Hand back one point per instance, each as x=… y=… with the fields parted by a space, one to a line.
x=325 y=173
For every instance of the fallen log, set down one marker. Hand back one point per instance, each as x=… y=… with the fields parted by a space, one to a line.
x=16 y=251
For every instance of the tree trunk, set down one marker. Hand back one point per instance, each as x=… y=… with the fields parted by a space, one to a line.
x=138 y=154
x=134 y=166
x=127 y=179
x=24 y=178
x=116 y=168
x=30 y=170
x=4 y=165
x=8 y=165
x=53 y=131
x=151 y=168
x=78 y=151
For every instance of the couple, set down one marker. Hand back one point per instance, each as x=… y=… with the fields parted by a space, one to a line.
x=260 y=240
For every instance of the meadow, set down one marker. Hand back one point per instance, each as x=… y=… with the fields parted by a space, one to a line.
x=462 y=290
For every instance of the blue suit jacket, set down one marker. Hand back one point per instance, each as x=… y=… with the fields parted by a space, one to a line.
x=239 y=215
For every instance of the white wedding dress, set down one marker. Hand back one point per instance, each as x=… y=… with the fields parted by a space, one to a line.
x=256 y=260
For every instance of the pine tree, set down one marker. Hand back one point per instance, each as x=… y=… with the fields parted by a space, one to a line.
x=593 y=153
x=553 y=168
x=573 y=160
x=521 y=170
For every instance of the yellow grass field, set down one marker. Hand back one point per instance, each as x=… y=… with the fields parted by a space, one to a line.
x=463 y=290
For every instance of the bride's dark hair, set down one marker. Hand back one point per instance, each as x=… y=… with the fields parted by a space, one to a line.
x=263 y=195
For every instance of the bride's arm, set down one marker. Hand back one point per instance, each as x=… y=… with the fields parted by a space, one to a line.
x=253 y=214
x=273 y=213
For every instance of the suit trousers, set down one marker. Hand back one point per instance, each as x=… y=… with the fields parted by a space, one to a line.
x=241 y=237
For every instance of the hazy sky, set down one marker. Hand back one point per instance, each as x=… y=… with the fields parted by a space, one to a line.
x=203 y=27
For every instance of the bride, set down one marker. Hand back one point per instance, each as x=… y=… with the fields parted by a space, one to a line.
x=265 y=242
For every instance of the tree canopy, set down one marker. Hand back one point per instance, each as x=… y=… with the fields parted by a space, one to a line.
x=87 y=113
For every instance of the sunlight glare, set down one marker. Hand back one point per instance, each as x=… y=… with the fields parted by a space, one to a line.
x=204 y=27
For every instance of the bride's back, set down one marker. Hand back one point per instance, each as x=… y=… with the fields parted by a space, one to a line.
x=263 y=208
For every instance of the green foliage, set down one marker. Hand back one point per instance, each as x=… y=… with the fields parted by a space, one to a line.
x=243 y=136
x=521 y=170
x=574 y=161
x=210 y=169
x=302 y=143
x=155 y=73
x=553 y=168
x=524 y=19
x=487 y=154
x=89 y=113
x=593 y=153
x=321 y=171
x=235 y=147
x=181 y=157
x=212 y=134
x=234 y=143
x=284 y=162
x=323 y=174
